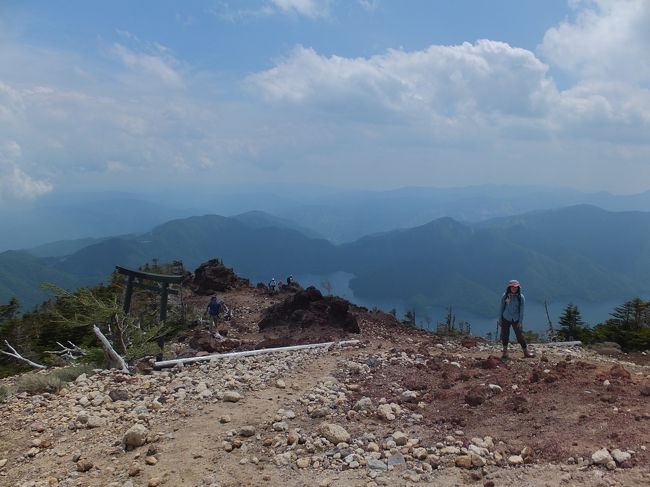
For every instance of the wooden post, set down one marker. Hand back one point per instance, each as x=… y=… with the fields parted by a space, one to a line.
x=163 y=301
x=127 y=294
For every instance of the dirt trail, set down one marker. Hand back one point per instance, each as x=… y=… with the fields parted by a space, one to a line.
x=197 y=452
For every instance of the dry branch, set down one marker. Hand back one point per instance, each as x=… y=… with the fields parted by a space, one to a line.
x=115 y=360
x=16 y=355
x=71 y=352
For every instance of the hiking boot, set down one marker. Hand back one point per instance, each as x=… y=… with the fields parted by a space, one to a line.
x=528 y=354
x=218 y=336
x=504 y=356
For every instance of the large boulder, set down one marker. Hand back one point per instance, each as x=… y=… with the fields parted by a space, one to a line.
x=212 y=277
x=309 y=308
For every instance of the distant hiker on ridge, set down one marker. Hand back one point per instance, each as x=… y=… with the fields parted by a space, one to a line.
x=512 y=314
x=289 y=279
x=272 y=285
x=213 y=308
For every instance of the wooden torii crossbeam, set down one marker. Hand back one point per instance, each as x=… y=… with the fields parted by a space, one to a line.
x=135 y=279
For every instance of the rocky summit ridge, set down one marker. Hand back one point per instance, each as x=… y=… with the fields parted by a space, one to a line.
x=398 y=407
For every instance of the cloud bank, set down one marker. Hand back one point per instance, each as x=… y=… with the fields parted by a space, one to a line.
x=471 y=113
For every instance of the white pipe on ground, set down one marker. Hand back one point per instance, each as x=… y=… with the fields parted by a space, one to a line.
x=576 y=343
x=170 y=363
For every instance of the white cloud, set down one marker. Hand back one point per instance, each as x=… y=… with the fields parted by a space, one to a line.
x=444 y=115
x=15 y=184
x=448 y=81
x=312 y=9
x=609 y=40
x=116 y=166
x=369 y=5
x=308 y=8
x=161 y=66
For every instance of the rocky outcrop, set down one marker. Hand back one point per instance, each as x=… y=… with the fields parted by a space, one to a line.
x=309 y=308
x=212 y=277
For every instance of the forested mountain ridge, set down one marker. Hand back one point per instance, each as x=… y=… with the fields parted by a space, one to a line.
x=578 y=251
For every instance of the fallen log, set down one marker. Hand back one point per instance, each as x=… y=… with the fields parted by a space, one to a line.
x=170 y=363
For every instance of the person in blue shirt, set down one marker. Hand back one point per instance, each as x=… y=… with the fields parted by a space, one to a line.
x=512 y=315
x=213 y=308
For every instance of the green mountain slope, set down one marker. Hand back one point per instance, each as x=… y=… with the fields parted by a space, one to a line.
x=21 y=275
x=576 y=252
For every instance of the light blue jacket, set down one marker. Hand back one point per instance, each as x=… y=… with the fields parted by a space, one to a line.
x=512 y=309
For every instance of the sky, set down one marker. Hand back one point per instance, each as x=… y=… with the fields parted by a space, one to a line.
x=373 y=94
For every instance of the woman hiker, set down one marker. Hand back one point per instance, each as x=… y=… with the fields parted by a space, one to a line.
x=512 y=314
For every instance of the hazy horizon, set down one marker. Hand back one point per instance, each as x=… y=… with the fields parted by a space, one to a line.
x=369 y=94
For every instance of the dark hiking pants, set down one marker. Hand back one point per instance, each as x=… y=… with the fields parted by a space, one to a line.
x=505 y=333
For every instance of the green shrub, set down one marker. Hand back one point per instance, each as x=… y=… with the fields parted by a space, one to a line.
x=4 y=393
x=33 y=383
x=68 y=374
x=95 y=357
x=136 y=352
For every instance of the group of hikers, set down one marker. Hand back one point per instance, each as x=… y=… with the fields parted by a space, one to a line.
x=511 y=314
x=216 y=307
x=278 y=285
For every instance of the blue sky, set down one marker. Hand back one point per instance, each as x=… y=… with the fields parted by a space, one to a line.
x=358 y=93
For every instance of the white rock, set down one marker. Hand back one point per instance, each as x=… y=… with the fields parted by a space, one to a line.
x=409 y=396
x=620 y=456
x=232 y=396
x=303 y=462
x=478 y=450
x=420 y=453
x=204 y=394
x=363 y=404
x=601 y=457
x=334 y=433
x=386 y=412
x=515 y=460
x=135 y=436
x=400 y=438
x=280 y=426
x=450 y=450
x=95 y=422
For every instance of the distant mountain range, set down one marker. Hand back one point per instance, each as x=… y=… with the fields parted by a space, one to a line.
x=337 y=215
x=579 y=251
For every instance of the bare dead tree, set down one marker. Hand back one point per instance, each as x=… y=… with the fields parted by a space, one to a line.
x=69 y=352
x=115 y=360
x=16 y=355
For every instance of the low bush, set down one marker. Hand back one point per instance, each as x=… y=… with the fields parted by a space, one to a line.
x=68 y=374
x=36 y=383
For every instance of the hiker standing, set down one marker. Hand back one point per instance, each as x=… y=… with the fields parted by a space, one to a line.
x=213 y=308
x=272 y=285
x=289 y=279
x=512 y=314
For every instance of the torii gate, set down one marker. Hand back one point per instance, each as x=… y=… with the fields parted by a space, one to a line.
x=164 y=281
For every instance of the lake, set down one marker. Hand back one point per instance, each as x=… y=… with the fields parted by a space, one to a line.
x=535 y=315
